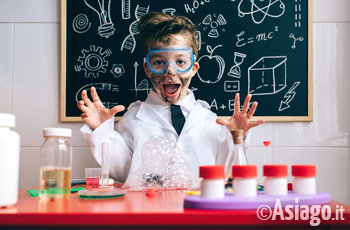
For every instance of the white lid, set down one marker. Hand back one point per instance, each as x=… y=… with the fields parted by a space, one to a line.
x=7 y=120
x=58 y=132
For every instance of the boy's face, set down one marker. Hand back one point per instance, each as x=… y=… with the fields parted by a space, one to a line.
x=172 y=84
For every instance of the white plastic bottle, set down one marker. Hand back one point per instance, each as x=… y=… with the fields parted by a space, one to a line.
x=213 y=183
x=9 y=160
x=275 y=182
x=244 y=180
x=304 y=179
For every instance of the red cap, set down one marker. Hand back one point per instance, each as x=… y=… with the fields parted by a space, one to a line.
x=246 y=171
x=304 y=170
x=267 y=143
x=212 y=171
x=276 y=170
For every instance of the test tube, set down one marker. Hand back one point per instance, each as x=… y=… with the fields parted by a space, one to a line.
x=268 y=153
x=105 y=164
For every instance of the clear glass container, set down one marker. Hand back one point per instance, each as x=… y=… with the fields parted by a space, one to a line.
x=55 y=163
x=238 y=157
x=268 y=153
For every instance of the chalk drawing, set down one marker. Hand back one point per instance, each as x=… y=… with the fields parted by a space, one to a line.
x=212 y=60
x=103 y=10
x=93 y=61
x=259 y=9
x=81 y=23
x=268 y=75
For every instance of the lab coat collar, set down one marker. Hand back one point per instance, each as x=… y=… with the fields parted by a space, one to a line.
x=148 y=112
x=186 y=103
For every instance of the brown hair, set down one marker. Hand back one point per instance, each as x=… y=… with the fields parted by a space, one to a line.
x=156 y=26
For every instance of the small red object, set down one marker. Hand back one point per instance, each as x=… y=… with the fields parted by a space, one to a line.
x=212 y=171
x=304 y=170
x=246 y=171
x=290 y=187
x=276 y=170
x=267 y=143
x=151 y=192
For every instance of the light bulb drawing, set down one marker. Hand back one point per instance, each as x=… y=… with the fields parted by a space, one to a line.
x=103 y=10
x=235 y=70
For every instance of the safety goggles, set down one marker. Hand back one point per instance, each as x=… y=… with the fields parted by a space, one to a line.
x=159 y=59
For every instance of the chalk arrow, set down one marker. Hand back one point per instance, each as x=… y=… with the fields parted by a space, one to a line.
x=289 y=97
x=135 y=75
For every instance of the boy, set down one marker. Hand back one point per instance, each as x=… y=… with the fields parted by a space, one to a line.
x=170 y=46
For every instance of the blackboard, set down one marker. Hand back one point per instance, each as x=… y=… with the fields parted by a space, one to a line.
x=261 y=47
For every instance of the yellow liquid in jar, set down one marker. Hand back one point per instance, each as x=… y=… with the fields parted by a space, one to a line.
x=55 y=183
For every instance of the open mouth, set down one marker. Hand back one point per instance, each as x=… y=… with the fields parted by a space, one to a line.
x=170 y=90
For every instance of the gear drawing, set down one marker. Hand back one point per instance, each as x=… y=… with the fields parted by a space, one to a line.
x=93 y=61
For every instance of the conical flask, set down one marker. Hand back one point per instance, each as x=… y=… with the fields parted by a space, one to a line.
x=239 y=157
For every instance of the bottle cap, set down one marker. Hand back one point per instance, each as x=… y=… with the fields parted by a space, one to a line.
x=267 y=143
x=7 y=120
x=212 y=171
x=57 y=132
x=246 y=171
x=304 y=170
x=237 y=132
x=276 y=170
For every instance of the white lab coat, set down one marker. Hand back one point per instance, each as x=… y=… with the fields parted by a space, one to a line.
x=202 y=140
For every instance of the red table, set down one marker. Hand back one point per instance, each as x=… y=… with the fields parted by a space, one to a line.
x=136 y=210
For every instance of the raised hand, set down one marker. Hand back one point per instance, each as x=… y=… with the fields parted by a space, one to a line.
x=241 y=119
x=94 y=113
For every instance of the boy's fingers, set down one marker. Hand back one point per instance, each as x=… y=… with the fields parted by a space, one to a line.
x=252 y=110
x=84 y=115
x=237 y=103
x=246 y=103
x=117 y=109
x=94 y=94
x=85 y=98
x=256 y=123
x=81 y=106
x=223 y=121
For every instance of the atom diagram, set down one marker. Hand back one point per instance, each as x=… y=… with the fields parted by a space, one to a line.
x=261 y=8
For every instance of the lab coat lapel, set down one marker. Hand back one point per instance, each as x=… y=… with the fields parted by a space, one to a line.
x=148 y=114
x=197 y=116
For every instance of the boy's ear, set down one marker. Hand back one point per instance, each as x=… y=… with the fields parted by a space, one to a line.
x=195 y=66
x=146 y=69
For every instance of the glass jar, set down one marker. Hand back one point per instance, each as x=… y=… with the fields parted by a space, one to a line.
x=55 y=163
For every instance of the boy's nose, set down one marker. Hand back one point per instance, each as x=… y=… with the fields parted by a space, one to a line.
x=170 y=69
